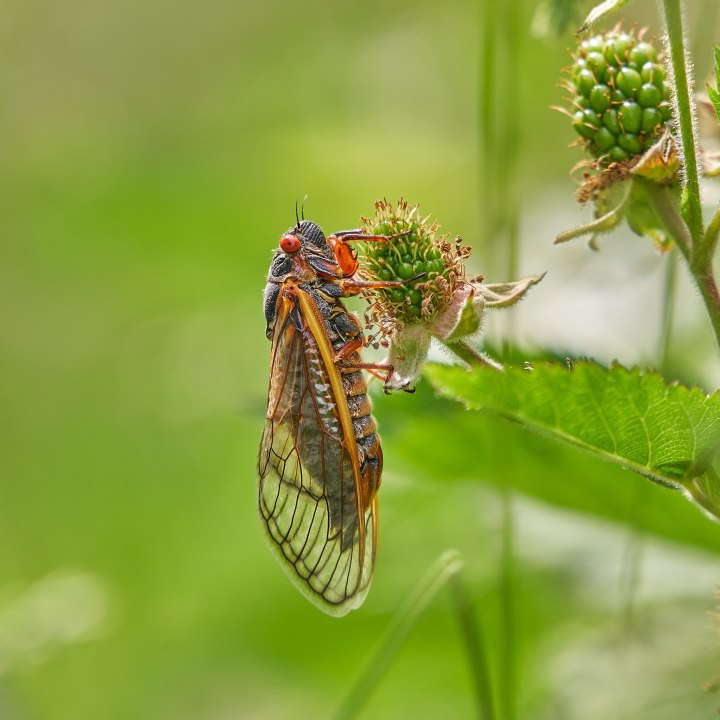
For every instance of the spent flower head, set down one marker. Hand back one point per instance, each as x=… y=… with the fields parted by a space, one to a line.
x=432 y=267
x=439 y=299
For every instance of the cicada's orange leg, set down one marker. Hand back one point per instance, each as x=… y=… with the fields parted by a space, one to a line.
x=353 y=287
x=346 y=257
x=382 y=371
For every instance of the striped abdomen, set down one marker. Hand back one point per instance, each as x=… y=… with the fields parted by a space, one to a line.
x=365 y=427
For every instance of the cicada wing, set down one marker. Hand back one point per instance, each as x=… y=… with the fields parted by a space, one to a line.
x=309 y=478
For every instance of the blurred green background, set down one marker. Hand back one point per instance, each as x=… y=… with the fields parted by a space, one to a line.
x=151 y=154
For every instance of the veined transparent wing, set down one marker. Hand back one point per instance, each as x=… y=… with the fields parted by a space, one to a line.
x=311 y=497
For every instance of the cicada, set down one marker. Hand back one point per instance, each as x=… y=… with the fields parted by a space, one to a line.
x=320 y=461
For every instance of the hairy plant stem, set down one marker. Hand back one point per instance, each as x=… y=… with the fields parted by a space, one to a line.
x=703 y=243
x=471 y=355
x=702 y=273
x=666 y=206
x=500 y=139
x=690 y=204
x=708 y=289
x=668 y=310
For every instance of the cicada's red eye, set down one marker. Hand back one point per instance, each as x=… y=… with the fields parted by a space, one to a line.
x=289 y=243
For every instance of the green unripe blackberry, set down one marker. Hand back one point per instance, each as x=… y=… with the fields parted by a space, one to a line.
x=430 y=267
x=620 y=95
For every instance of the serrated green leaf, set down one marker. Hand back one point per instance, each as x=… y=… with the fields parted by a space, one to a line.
x=667 y=433
x=714 y=96
x=429 y=440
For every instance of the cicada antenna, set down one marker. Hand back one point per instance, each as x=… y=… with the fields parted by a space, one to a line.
x=302 y=207
x=297 y=219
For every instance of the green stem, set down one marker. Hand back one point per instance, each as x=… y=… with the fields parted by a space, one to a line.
x=470 y=631
x=507 y=610
x=632 y=560
x=703 y=38
x=447 y=565
x=702 y=275
x=471 y=356
x=509 y=141
x=710 y=295
x=666 y=207
x=487 y=126
x=510 y=136
x=690 y=206
x=668 y=309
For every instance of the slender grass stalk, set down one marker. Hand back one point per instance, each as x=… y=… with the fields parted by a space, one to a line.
x=630 y=577
x=685 y=119
x=487 y=124
x=703 y=36
x=444 y=568
x=509 y=143
x=470 y=630
x=631 y=571
x=509 y=138
x=508 y=663
x=668 y=309
x=502 y=64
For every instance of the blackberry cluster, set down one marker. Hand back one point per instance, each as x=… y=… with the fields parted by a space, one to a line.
x=620 y=102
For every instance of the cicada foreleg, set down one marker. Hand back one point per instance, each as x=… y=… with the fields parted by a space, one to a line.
x=382 y=371
x=351 y=286
x=346 y=257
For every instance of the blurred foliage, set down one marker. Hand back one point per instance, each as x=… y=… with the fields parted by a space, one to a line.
x=152 y=154
x=553 y=18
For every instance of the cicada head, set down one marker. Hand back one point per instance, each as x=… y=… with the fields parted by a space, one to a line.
x=302 y=252
x=310 y=234
x=306 y=236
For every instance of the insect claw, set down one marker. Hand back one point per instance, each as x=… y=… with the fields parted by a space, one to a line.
x=415 y=277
